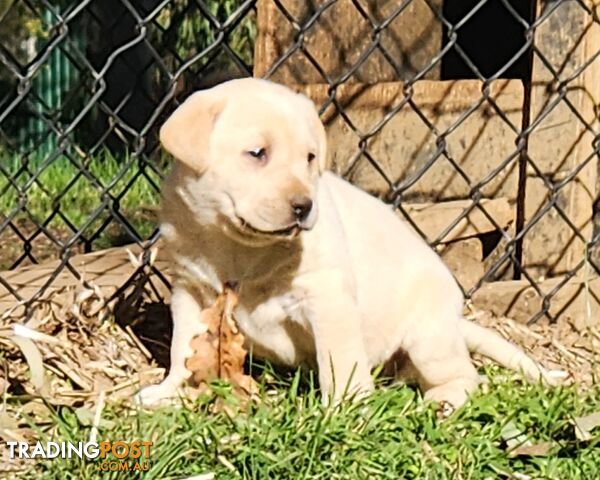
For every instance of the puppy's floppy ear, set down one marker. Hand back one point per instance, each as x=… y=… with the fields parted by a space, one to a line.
x=186 y=133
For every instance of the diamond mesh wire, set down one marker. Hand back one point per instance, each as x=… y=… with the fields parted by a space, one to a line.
x=475 y=103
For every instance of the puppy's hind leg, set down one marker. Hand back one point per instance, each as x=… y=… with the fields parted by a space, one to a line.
x=443 y=364
x=187 y=323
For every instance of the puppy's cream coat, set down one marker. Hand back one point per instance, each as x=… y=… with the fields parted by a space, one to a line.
x=329 y=276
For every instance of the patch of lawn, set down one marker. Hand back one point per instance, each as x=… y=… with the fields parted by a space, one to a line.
x=92 y=196
x=390 y=435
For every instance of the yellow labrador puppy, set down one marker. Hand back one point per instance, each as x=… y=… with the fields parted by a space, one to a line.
x=329 y=276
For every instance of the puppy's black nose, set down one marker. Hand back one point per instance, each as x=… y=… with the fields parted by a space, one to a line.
x=301 y=205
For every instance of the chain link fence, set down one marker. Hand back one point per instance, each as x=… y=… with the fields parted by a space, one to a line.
x=476 y=120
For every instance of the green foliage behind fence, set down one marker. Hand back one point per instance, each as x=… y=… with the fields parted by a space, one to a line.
x=57 y=65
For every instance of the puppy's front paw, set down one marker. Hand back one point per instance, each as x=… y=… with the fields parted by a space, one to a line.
x=449 y=397
x=355 y=392
x=158 y=395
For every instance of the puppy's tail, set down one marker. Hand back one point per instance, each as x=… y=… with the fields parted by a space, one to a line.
x=487 y=342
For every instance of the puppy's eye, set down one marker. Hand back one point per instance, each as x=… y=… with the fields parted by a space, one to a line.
x=310 y=157
x=258 y=153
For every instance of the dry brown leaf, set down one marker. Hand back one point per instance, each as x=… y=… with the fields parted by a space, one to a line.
x=542 y=449
x=219 y=352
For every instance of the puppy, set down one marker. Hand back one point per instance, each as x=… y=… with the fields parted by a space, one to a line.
x=329 y=276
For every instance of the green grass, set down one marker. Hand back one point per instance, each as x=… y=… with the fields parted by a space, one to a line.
x=63 y=186
x=391 y=435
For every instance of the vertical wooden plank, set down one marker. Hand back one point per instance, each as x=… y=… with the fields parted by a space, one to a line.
x=565 y=97
x=341 y=34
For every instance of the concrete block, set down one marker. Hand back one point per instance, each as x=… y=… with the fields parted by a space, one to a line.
x=434 y=219
x=576 y=302
x=464 y=259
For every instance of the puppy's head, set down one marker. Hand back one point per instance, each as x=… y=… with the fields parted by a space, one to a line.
x=257 y=149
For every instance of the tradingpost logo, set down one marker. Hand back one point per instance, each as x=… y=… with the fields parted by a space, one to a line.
x=112 y=456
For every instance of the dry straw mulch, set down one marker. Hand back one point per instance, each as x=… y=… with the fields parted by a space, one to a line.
x=70 y=350
x=563 y=347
